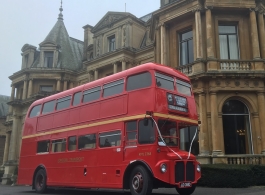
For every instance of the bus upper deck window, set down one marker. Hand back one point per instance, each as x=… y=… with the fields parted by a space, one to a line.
x=48 y=107
x=63 y=103
x=164 y=81
x=77 y=98
x=139 y=81
x=183 y=87
x=92 y=94
x=35 y=111
x=113 y=88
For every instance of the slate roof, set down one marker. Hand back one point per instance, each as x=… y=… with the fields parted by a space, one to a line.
x=3 y=105
x=71 y=50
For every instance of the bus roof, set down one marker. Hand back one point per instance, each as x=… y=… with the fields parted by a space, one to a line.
x=99 y=82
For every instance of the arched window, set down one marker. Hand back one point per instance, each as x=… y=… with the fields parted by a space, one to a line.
x=236 y=127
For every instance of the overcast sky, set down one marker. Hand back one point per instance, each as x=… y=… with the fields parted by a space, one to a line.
x=30 y=21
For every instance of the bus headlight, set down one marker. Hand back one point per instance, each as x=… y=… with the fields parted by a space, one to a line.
x=198 y=168
x=163 y=168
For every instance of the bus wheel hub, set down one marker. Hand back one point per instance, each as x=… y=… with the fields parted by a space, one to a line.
x=137 y=182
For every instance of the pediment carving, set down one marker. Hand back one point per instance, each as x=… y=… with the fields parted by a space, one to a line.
x=108 y=20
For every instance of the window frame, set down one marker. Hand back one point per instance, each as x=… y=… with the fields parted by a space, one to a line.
x=234 y=24
x=48 y=60
x=29 y=116
x=63 y=99
x=180 y=34
x=111 y=43
x=111 y=84
x=44 y=106
x=90 y=91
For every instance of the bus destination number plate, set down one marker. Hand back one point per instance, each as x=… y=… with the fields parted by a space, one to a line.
x=185 y=185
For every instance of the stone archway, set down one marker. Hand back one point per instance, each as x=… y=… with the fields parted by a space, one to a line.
x=236 y=128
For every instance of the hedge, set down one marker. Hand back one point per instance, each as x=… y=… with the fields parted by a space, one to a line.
x=232 y=176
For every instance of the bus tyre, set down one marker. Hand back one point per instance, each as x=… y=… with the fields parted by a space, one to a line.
x=140 y=181
x=186 y=191
x=40 y=181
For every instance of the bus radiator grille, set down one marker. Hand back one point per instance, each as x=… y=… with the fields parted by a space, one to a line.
x=183 y=173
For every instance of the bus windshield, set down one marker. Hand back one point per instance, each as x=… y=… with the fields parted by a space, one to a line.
x=169 y=133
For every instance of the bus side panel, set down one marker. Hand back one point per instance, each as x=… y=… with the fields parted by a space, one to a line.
x=139 y=102
x=89 y=112
x=27 y=161
x=45 y=122
x=114 y=106
x=30 y=126
x=61 y=118
x=110 y=160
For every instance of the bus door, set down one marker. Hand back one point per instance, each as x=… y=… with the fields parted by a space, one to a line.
x=139 y=135
x=110 y=157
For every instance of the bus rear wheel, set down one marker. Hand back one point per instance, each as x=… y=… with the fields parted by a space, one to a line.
x=186 y=191
x=40 y=181
x=140 y=181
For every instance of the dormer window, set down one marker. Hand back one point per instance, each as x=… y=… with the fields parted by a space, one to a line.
x=48 y=59
x=112 y=45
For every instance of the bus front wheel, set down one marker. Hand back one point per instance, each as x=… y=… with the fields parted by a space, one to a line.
x=140 y=181
x=186 y=191
x=40 y=181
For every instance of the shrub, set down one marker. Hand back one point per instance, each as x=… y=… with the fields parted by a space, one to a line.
x=232 y=176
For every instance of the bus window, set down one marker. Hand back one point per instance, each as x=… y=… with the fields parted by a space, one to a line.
x=59 y=145
x=87 y=141
x=110 y=139
x=72 y=143
x=35 y=111
x=146 y=132
x=48 y=107
x=43 y=146
x=77 y=98
x=139 y=81
x=183 y=87
x=113 y=88
x=165 y=82
x=169 y=132
x=63 y=103
x=131 y=132
x=92 y=94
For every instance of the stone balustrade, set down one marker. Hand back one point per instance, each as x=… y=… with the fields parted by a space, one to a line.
x=235 y=65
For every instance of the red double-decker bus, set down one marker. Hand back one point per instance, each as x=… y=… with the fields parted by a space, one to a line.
x=121 y=132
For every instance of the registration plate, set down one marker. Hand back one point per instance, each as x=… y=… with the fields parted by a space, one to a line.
x=185 y=185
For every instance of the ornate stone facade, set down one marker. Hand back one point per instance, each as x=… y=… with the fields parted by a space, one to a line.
x=218 y=79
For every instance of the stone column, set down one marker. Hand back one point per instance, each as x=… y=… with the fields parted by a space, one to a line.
x=95 y=74
x=261 y=34
x=157 y=45
x=13 y=141
x=123 y=65
x=6 y=147
x=163 y=43
x=254 y=35
x=71 y=85
x=114 y=68
x=209 y=35
x=58 y=85
x=30 y=88
x=65 y=85
x=216 y=135
x=198 y=35
x=203 y=135
x=261 y=105
x=25 y=89
x=12 y=93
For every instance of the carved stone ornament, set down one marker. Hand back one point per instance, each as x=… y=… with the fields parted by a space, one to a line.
x=109 y=20
x=237 y=83
x=247 y=83
x=195 y=85
x=217 y=82
x=227 y=82
x=256 y=83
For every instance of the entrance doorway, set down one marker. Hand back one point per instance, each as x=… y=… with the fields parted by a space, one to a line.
x=236 y=127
